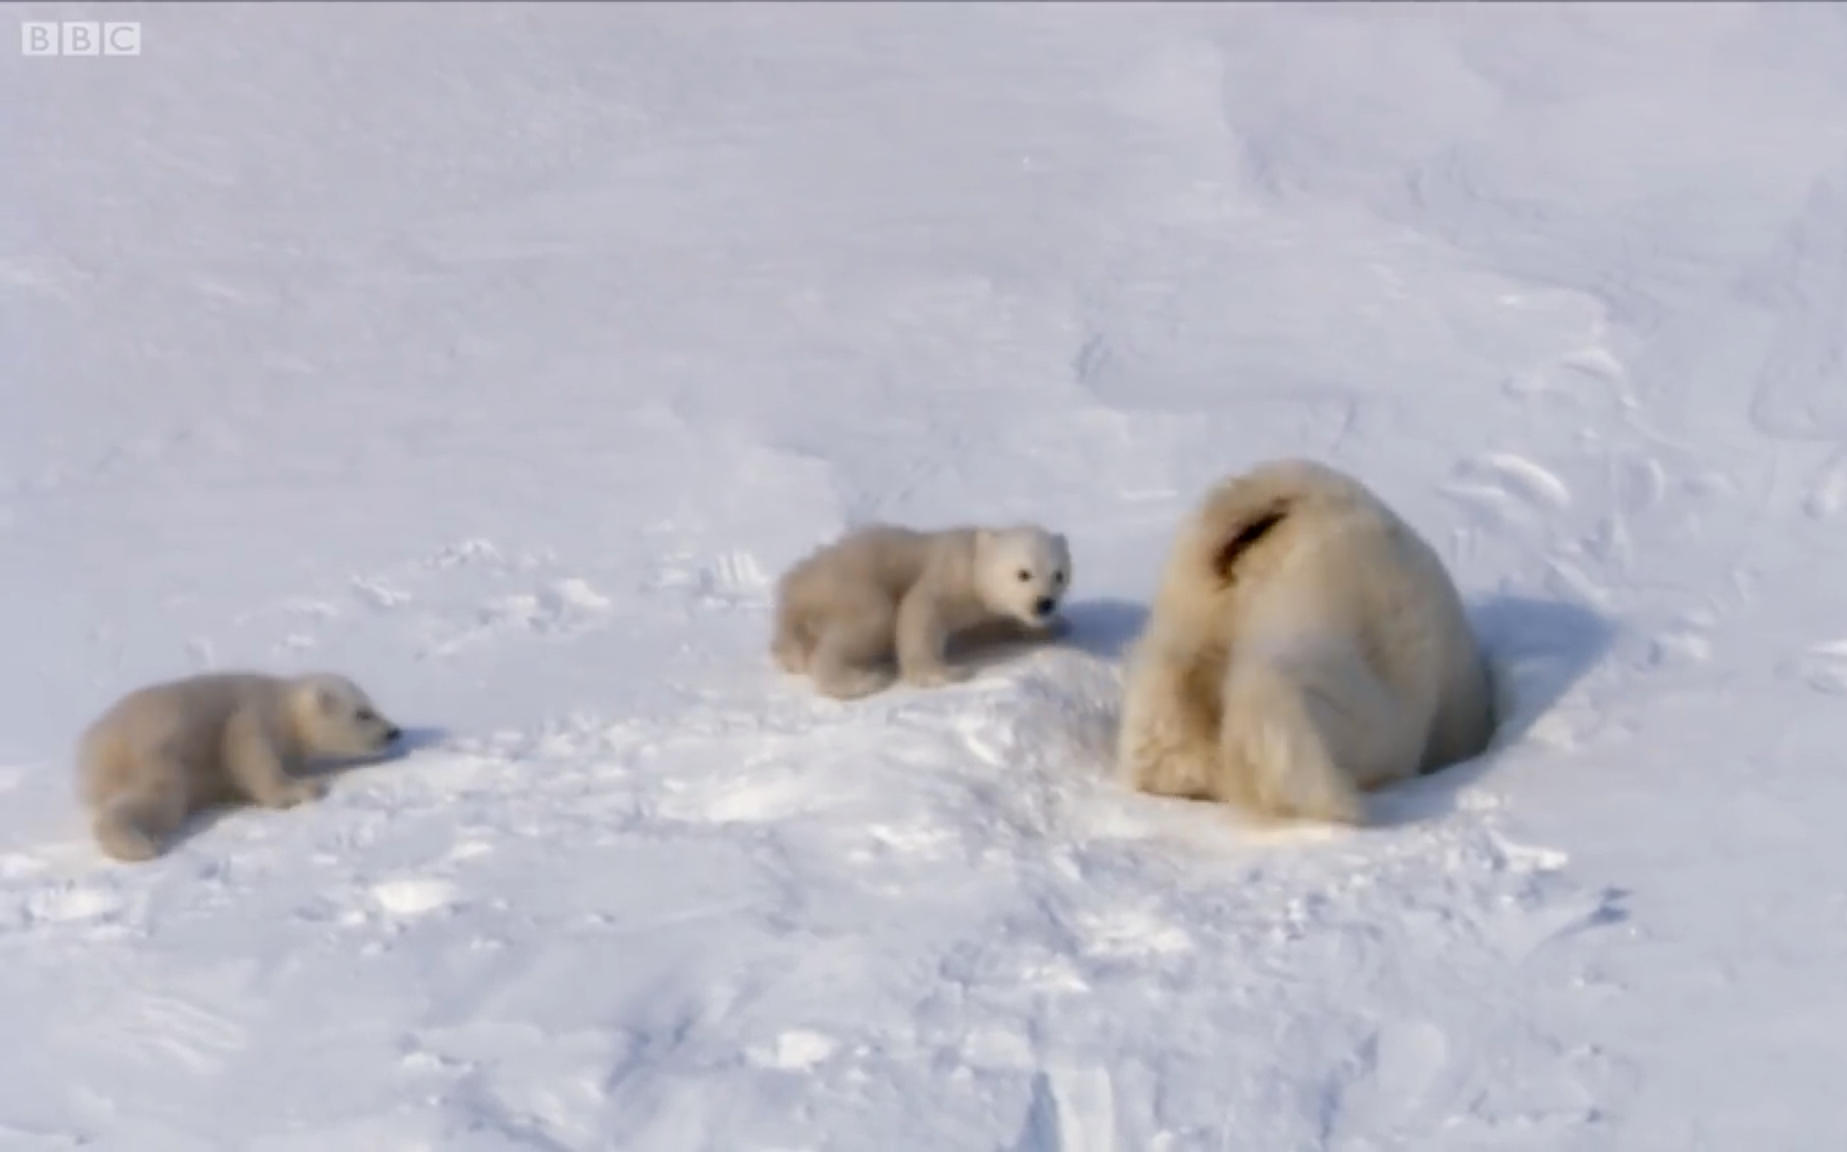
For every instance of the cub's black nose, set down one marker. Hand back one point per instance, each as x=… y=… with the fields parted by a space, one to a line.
x=1044 y=605
x=394 y=733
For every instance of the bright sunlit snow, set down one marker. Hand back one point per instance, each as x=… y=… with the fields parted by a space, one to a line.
x=501 y=356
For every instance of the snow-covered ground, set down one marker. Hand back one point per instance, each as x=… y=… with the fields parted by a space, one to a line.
x=501 y=355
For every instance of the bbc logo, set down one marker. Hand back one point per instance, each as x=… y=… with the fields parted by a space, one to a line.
x=79 y=38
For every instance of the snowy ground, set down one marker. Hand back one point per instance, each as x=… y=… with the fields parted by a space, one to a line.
x=502 y=354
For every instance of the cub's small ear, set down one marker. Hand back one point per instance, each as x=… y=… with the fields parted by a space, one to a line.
x=1062 y=542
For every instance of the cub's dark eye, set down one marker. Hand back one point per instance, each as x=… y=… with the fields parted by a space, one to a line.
x=367 y=715
x=1058 y=577
x=1025 y=575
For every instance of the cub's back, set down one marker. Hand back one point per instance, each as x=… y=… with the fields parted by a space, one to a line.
x=181 y=718
x=887 y=556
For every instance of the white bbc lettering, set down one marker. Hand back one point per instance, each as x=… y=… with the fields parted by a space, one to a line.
x=82 y=38
x=79 y=38
x=122 y=39
x=38 y=39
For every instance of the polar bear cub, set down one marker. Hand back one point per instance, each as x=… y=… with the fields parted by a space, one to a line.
x=1305 y=644
x=882 y=591
x=167 y=750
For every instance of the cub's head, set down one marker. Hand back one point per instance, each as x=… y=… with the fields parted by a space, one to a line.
x=1022 y=572
x=336 y=718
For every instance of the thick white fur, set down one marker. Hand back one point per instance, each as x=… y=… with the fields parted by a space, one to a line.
x=167 y=750
x=881 y=591
x=1286 y=670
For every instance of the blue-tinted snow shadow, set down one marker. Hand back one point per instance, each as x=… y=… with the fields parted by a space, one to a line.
x=1536 y=650
x=1102 y=628
x=418 y=739
x=412 y=741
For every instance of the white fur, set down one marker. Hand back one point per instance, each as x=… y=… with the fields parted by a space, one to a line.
x=165 y=751
x=1327 y=656
x=882 y=591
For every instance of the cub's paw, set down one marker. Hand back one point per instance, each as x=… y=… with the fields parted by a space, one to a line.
x=853 y=683
x=299 y=792
x=935 y=676
x=122 y=840
x=790 y=657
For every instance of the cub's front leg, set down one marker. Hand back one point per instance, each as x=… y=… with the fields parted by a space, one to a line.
x=922 y=638
x=253 y=768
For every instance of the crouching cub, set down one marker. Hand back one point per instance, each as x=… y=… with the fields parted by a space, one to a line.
x=1306 y=644
x=881 y=591
x=168 y=750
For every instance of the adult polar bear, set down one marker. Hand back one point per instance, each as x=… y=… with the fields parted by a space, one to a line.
x=1306 y=644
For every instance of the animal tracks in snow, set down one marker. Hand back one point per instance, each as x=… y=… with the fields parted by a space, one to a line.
x=1072 y=1109
x=1497 y=483
x=379 y=594
x=1828 y=490
x=414 y=896
x=183 y=1030
x=558 y=608
x=1824 y=667
x=726 y=580
x=71 y=903
x=760 y=800
x=1798 y=393
x=797 y=1050
x=1395 y=1075
x=473 y=591
x=1130 y=934
x=452 y=600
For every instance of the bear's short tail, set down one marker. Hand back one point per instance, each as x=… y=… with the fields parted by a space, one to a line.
x=1239 y=514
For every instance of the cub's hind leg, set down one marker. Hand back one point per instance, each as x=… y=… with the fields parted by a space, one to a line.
x=137 y=822
x=852 y=654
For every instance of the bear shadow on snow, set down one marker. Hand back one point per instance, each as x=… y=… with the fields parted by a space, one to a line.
x=1535 y=650
x=413 y=740
x=1102 y=628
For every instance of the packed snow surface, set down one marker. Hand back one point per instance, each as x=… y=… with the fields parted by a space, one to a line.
x=501 y=356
